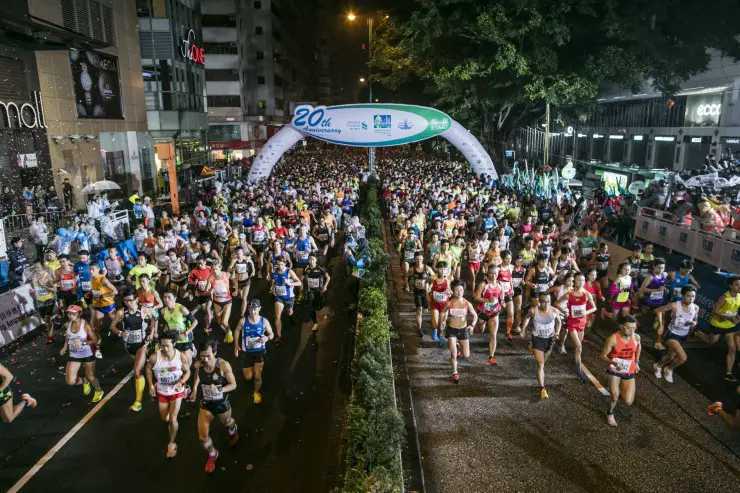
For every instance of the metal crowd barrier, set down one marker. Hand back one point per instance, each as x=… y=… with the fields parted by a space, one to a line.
x=20 y=222
x=721 y=251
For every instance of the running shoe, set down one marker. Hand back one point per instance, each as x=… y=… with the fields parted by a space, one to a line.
x=30 y=401
x=730 y=378
x=97 y=396
x=86 y=388
x=582 y=376
x=135 y=407
x=234 y=437
x=441 y=341
x=561 y=349
x=659 y=346
x=434 y=335
x=315 y=328
x=455 y=378
x=421 y=333
x=492 y=361
x=171 y=450
x=98 y=354
x=714 y=408
x=49 y=339
x=610 y=420
x=669 y=376
x=658 y=371
x=211 y=462
x=257 y=397
x=229 y=337
x=544 y=394
x=509 y=337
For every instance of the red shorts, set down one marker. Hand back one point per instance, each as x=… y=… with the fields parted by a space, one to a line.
x=578 y=325
x=474 y=265
x=164 y=399
x=436 y=305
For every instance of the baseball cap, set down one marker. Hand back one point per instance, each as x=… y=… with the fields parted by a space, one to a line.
x=255 y=304
x=74 y=308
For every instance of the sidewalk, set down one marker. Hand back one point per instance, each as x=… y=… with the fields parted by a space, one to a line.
x=493 y=433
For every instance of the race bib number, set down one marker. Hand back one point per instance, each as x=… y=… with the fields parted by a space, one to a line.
x=490 y=306
x=541 y=288
x=281 y=291
x=656 y=295
x=211 y=393
x=409 y=255
x=220 y=293
x=241 y=268
x=544 y=330
x=252 y=342
x=586 y=251
x=420 y=284
x=96 y=293
x=677 y=292
x=167 y=378
x=439 y=296
x=86 y=285
x=259 y=236
x=603 y=265
x=578 y=311
x=302 y=254
x=323 y=237
x=314 y=282
x=516 y=281
x=202 y=285
x=134 y=336
x=68 y=284
x=75 y=345
x=621 y=365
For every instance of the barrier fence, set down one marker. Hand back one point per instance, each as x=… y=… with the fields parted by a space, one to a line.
x=721 y=251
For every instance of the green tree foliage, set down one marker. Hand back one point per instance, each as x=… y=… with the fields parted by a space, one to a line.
x=483 y=58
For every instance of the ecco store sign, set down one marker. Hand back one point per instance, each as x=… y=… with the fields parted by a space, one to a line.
x=27 y=115
x=191 y=51
x=709 y=109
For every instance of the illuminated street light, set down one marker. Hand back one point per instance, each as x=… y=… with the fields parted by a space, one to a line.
x=362 y=79
x=351 y=16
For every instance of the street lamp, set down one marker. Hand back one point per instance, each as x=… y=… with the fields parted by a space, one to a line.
x=362 y=79
x=351 y=17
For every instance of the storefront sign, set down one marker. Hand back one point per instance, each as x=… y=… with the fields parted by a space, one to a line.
x=703 y=110
x=27 y=160
x=18 y=314
x=28 y=115
x=191 y=51
x=637 y=137
x=664 y=139
x=234 y=144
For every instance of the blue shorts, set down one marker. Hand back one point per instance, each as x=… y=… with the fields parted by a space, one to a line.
x=105 y=309
x=286 y=302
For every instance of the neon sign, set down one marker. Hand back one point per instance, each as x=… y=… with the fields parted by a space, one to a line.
x=191 y=51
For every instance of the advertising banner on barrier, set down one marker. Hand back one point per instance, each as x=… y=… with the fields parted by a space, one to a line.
x=730 y=259
x=645 y=229
x=708 y=248
x=18 y=314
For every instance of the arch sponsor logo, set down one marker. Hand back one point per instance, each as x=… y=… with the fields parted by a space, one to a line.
x=373 y=125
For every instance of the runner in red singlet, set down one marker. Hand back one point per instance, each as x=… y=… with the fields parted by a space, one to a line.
x=580 y=306
x=622 y=352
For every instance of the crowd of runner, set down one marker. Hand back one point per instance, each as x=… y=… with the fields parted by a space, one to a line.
x=189 y=274
x=474 y=253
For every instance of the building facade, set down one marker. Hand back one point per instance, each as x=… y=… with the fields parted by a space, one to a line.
x=80 y=73
x=173 y=60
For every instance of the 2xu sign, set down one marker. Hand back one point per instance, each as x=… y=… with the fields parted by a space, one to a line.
x=370 y=125
x=191 y=51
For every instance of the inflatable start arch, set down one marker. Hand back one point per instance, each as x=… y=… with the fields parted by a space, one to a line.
x=371 y=125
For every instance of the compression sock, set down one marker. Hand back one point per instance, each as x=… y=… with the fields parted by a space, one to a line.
x=139 y=385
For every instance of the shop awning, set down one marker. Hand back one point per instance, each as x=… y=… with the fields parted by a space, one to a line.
x=33 y=33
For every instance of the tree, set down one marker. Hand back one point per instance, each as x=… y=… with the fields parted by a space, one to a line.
x=491 y=63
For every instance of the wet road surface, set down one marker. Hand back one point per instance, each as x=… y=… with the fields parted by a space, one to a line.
x=291 y=442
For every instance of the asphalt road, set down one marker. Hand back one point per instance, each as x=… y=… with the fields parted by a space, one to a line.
x=492 y=432
x=291 y=442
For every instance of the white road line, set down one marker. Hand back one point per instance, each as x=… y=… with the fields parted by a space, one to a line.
x=594 y=381
x=56 y=448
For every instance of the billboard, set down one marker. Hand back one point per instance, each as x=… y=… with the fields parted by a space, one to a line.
x=96 y=83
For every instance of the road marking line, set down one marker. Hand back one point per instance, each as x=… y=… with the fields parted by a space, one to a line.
x=594 y=381
x=56 y=448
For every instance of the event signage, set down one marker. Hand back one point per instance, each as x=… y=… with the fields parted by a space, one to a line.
x=377 y=125
x=191 y=51
x=97 y=88
x=703 y=109
x=18 y=314
x=28 y=160
x=27 y=115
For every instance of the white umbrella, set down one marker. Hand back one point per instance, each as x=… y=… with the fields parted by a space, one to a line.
x=101 y=186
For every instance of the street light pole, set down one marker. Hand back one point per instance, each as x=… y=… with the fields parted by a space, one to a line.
x=371 y=150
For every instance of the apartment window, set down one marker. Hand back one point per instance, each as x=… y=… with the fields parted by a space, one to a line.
x=279 y=104
x=260 y=55
x=262 y=104
x=260 y=80
x=278 y=81
x=258 y=30
x=224 y=101
x=221 y=48
x=257 y=5
x=217 y=75
x=90 y=18
x=213 y=20
x=115 y=167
